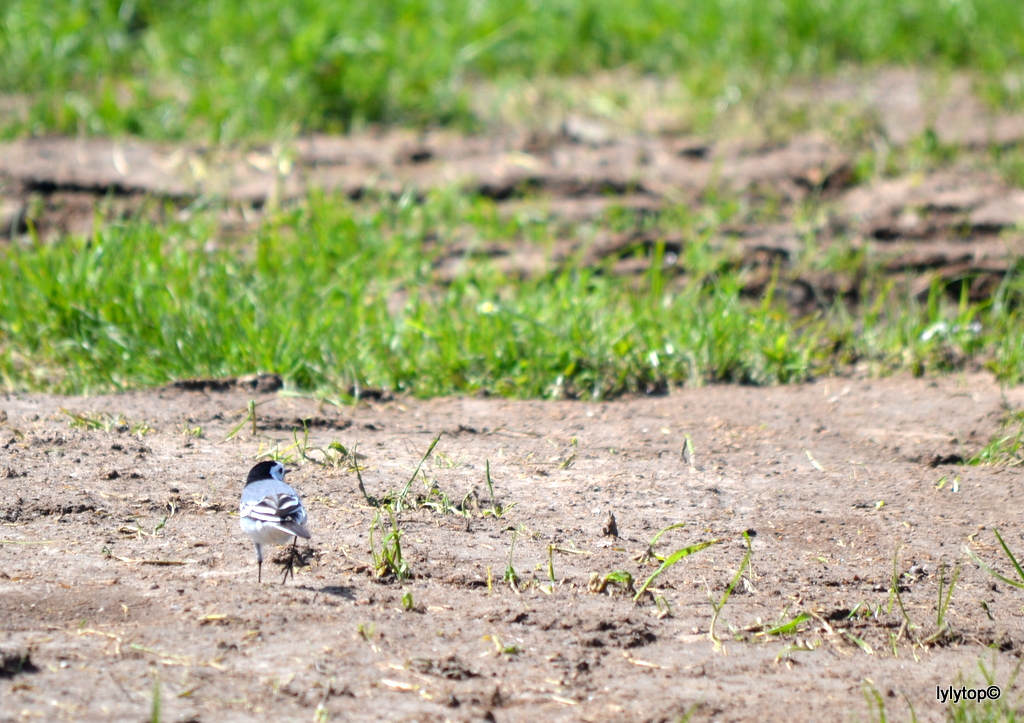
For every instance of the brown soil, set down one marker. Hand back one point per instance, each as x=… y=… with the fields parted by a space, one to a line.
x=830 y=479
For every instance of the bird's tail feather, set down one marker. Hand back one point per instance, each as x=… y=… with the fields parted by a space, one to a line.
x=293 y=528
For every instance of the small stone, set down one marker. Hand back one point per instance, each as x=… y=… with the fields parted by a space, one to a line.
x=610 y=529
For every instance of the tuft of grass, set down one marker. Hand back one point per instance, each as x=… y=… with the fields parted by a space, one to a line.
x=433 y=498
x=876 y=703
x=783 y=626
x=188 y=430
x=438 y=501
x=895 y=596
x=672 y=560
x=335 y=455
x=650 y=554
x=250 y=417
x=622 y=578
x=389 y=560
x=551 y=568
x=366 y=631
x=353 y=456
x=501 y=648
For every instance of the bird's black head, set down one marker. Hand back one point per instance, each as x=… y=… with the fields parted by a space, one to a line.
x=268 y=469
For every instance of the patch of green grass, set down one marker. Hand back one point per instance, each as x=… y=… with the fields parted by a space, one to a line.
x=232 y=69
x=331 y=295
x=1006 y=448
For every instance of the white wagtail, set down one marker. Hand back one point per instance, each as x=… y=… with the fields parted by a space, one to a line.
x=272 y=513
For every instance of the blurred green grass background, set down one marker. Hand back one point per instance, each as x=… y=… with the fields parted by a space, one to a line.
x=332 y=293
x=237 y=69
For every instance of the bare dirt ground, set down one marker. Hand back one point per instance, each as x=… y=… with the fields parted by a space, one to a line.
x=122 y=563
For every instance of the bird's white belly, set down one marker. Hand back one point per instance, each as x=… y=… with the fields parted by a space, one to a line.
x=266 y=534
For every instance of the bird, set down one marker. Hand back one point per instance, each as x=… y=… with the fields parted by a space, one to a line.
x=271 y=513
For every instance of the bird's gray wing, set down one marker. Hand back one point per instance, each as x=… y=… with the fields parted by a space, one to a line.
x=281 y=510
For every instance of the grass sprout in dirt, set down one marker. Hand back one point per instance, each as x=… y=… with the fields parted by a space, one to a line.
x=946 y=585
x=719 y=604
x=1004 y=449
x=389 y=559
x=1019 y=582
x=668 y=561
x=348 y=295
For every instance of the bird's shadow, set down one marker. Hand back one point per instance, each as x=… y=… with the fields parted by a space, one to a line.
x=342 y=591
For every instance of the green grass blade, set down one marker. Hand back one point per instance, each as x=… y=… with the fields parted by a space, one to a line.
x=405 y=490
x=1013 y=558
x=672 y=560
x=676 y=526
x=788 y=627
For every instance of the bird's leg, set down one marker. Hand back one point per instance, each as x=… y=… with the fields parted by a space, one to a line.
x=259 y=564
x=290 y=567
